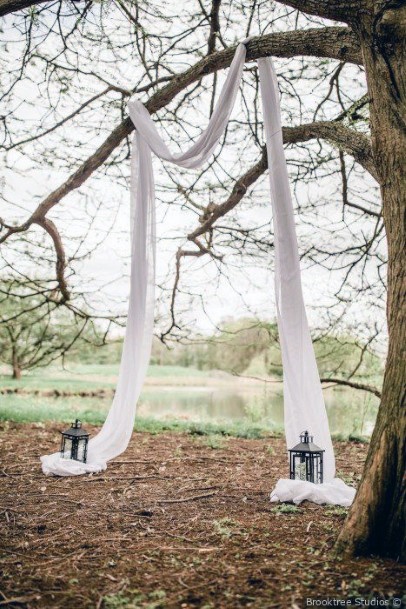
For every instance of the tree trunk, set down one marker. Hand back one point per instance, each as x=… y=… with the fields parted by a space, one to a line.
x=375 y=522
x=16 y=372
x=16 y=366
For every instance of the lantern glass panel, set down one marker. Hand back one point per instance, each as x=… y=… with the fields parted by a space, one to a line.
x=81 y=451
x=307 y=467
x=74 y=454
x=299 y=468
x=66 y=448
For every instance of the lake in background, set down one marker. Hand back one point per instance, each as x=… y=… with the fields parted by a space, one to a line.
x=349 y=411
x=173 y=393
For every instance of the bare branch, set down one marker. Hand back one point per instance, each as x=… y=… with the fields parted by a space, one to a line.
x=63 y=120
x=214 y=26
x=354 y=143
x=353 y=384
x=213 y=212
x=51 y=229
x=336 y=133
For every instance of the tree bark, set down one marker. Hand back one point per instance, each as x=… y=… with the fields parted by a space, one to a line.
x=376 y=521
x=11 y=6
x=16 y=366
x=338 y=10
x=16 y=373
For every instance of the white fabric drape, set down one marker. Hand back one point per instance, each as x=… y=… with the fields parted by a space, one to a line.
x=116 y=432
x=303 y=398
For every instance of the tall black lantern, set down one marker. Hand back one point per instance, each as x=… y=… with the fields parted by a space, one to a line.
x=306 y=460
x=74 y=442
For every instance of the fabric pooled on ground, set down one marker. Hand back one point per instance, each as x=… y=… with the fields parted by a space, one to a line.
x=335 y=492
x=55 y=465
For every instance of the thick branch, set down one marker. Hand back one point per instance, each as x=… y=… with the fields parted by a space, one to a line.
x=51 y=229
x=213 y=212
x=350 y=141
x=355 y=144
x=11 y=6
x=339 y=10
x=214 y=26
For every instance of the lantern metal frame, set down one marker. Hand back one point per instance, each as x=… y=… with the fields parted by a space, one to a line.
x=309 y=457
x=74 y=442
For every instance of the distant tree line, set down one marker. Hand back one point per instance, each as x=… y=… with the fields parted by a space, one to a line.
x=31 y=337
x=247 y=346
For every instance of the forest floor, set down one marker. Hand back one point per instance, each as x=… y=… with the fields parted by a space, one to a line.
x=178 y=521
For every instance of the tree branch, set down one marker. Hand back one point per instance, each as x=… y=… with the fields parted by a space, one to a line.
x=213 y=211
x=52 y=231
x=354 y=143
x=61 y=122
x=350 y=141
x=338 y=10
x=11 y=6
x=214 y=26
x=353 y=384
x=334 y=42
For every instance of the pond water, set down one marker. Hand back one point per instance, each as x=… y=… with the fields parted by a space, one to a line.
x=349 y=411
x=174 y=393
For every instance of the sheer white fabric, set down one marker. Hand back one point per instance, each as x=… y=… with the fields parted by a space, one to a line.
x=303 y=397
x=116 y=432
x=335 y=492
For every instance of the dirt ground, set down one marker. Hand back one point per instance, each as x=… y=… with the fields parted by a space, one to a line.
x=178 y=521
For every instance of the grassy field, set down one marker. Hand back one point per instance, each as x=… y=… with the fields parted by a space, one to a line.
x=173 y=399
x=82 y=377
x=28 y=400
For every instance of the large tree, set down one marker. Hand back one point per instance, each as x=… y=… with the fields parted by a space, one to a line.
x=373 y=37
x=376 y=519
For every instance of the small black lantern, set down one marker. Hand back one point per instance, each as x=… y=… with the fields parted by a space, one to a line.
x=306 y=460
x=74 y=442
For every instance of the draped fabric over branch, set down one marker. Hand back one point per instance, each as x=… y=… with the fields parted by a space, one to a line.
x=303 y=398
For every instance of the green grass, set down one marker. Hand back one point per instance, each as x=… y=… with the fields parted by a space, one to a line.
x=227 y=527
x=133 y=599
x=176 y=372
x=37 y=409
x=34 y=409
x=285 y=508
x=72 y=380
x=174 y=399
x=237 y=429
x=30 y=408
x=81 y=377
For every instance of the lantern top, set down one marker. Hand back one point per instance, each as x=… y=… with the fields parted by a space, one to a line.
x=76 y=430
x=306 y=445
